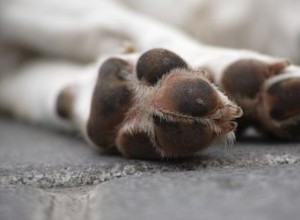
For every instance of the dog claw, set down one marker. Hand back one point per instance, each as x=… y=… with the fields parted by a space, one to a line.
x=238 y=113
x=229 y=126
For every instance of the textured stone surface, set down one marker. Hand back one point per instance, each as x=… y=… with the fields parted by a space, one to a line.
x=24 y=203
x=264 y=193
x=38 y=157
x=267 y=193
x=51 y=175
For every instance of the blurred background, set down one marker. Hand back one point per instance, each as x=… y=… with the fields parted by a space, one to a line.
x=47 y=27
x=267 y=26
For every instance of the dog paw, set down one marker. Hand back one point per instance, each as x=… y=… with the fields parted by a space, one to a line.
x=243 y=81
x=279 y=110
x=268 y=94
x=160 y=108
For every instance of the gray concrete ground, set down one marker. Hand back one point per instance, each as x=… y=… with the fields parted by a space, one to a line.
x=50 y=175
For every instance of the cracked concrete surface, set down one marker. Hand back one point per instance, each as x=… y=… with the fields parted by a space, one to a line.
x=50 y=175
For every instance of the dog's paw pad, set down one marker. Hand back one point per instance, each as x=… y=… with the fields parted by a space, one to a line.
x=155 y=63
x=110 y=101
x=180 y=139
x=187 y=95
x=244 y=78
x=136 y=145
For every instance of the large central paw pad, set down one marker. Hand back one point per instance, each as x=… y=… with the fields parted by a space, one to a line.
x=186 y=94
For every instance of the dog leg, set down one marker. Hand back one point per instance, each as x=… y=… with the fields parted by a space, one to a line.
x=43 y=91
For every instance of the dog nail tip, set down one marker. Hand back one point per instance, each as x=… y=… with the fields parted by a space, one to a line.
x=239 y=113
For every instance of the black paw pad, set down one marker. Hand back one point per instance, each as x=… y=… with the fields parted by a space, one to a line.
x=283 y=98
x=153 y=64
x=111 y=100
x=136 y=145
x=187 y=95
x=244 y=78
x=181 y=139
